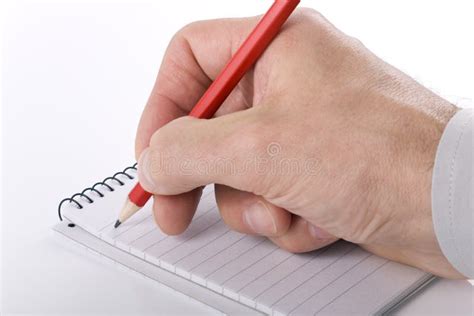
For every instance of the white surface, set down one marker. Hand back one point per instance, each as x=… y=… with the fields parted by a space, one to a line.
x=75 y=77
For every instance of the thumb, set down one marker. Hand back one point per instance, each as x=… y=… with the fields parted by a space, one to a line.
x=189 y=153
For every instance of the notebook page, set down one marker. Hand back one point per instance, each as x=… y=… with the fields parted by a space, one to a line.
x=114 y=256
x=250 y=269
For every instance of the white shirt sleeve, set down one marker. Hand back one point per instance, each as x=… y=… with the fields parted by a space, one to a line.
x=452 y=192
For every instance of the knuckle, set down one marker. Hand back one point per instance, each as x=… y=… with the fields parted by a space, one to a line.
x=310 y=16
x=297 y=27
x=179 y=41
x=354 y=42
x=308 y=13
x=307 y=21
x=190 y=28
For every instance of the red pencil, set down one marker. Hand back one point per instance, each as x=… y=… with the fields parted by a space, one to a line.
x=245 y=57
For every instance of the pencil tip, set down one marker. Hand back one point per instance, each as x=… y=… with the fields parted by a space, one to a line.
x=117 y=223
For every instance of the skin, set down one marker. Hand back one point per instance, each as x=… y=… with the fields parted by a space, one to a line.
x=345 y=143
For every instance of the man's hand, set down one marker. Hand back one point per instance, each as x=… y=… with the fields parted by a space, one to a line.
x=321 y=141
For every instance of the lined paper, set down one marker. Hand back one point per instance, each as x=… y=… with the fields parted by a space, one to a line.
x=249 y=269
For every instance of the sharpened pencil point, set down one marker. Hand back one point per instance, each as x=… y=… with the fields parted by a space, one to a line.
x=117 y=224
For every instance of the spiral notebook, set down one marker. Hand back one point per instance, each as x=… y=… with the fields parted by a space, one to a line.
x=233 y=272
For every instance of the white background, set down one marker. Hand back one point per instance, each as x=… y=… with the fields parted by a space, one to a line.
x=75 y=76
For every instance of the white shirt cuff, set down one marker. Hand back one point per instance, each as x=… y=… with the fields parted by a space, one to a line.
x=452 y=192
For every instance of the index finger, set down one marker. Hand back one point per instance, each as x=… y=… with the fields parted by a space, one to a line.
x=192 y=60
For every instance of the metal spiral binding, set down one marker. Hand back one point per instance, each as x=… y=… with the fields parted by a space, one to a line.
x=93 y=189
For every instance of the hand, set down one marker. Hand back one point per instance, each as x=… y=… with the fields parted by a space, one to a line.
x=321 y=141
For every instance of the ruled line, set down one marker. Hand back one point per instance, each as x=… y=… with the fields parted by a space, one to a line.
x=352 y=286
x=332 y=281
x=314 y=275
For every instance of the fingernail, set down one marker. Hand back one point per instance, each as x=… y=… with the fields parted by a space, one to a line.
x=144 y=176
x=317 y=233
x=259 y=219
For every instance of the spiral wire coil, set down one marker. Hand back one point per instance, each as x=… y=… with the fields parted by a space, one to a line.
x=102 y=183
